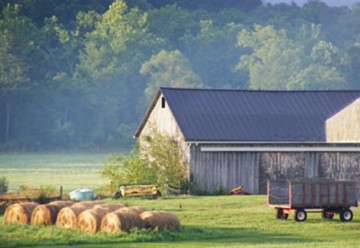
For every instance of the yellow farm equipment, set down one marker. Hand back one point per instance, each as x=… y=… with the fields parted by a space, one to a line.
x=138 y=190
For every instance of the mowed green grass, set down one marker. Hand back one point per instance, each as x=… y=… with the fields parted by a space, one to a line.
x=70 y=170
x=217 y=221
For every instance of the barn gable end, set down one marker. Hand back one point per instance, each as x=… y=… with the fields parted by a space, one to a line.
x=344 y=126
x=160 y=117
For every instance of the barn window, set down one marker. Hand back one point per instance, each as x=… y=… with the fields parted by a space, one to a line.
x=162 y=102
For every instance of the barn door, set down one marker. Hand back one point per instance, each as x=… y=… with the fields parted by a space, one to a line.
x=280 y=165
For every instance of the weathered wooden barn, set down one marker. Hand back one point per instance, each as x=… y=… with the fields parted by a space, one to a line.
x=240 y=137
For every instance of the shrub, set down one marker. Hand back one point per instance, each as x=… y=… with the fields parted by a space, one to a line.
x=4 y=184
x=163 y=153
x=160 y=161
x=128 y=169
x=47 y=191
x=218 y=191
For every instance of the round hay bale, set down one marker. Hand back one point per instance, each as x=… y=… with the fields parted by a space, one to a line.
x=90 y=220
x=46 y=214
x=110 y=207
x=123 y=219
x=62 y=203
x=160 y=219
x=114 y=207
x=67 y=217
x=19 y=213
x=137 y=210
x=87 y=204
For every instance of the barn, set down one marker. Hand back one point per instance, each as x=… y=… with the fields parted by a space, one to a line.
x=245 y=137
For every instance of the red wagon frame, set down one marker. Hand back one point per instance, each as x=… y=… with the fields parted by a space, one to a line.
x=298 y=197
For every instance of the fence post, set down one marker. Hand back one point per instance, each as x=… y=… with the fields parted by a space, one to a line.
x=61 y=192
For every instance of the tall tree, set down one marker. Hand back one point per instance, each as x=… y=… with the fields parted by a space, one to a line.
x=171 y=22
x=61 y=48
x=17 y=35
x=214 y=5
x=109 y=70
x=273 y=58
x=319 y=71
x=331 y=19
x=352 y=65
x=212 y=54
x=64 y=10
x=169 y=69
x=277 y=62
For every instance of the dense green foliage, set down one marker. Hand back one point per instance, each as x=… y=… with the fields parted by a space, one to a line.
x=79 y=74
x=128 y=169
x=4 y=185
x=221 y=221
x=160 y=163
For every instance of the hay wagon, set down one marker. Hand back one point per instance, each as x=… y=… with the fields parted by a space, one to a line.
x=298 y=197
x=138 y=190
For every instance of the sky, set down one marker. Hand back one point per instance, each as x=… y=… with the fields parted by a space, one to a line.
x=328 y=2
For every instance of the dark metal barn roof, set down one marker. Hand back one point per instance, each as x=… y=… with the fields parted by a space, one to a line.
x=255 y=116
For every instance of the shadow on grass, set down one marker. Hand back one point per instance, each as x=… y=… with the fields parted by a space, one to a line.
x=239 y=235
x=187 y=236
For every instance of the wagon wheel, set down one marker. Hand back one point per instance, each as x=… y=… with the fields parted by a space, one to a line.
x=326 y=214
x=158 y=194
x=280 y=214
x=346 y=214
x=300 y=215
x=117 y=195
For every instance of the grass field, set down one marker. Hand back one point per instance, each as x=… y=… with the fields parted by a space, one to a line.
x=70 y=170
x=219 y=221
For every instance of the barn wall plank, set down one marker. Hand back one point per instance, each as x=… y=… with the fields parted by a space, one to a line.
x=311 y=164
x=340 y=165
x=213 y=171
x=225 y=170
x=275 y=166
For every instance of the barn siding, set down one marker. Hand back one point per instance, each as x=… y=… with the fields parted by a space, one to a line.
x=340 y=165
x=311 y=164
x=211 y=171
x=225 y=170
x=280 y=166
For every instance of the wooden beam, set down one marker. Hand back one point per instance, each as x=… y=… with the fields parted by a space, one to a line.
x=277 y=149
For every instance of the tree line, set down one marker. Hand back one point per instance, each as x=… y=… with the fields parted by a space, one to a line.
x=80 y=74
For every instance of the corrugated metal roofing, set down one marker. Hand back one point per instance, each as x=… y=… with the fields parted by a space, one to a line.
x=260 y=116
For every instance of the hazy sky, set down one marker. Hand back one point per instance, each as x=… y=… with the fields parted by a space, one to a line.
x=328 y=2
